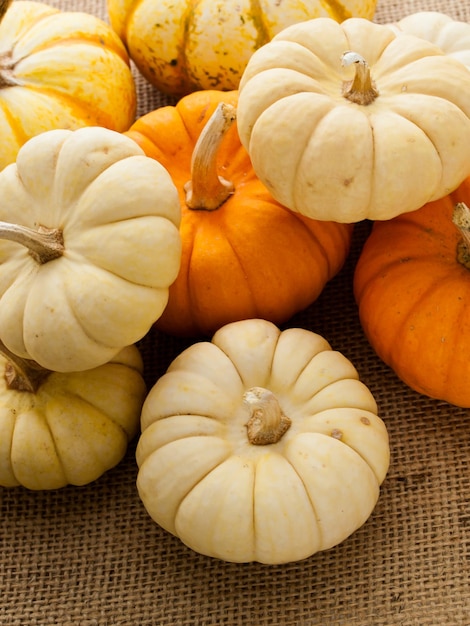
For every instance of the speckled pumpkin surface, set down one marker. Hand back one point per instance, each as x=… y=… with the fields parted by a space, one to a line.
x=182 y=45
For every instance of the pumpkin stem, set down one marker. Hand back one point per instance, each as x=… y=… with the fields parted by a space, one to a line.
x=461 y=218
x=22 y=374
x=4 y=6
x=361 y=89
x=206 y=189
x=6 y=76
x=44 y=244
x=267 y=422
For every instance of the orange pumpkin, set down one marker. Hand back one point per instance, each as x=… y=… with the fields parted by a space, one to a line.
x=244 y=255
x=413 y=293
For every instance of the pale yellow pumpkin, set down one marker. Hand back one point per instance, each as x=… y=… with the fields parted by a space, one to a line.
x=182 y=46
x=67 y=429
x=452 y=36
x=59 y=69
x=89 y=245
x=261 y=445
x=352 y=121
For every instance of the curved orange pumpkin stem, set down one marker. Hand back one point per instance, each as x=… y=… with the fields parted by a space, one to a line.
x=206 y=189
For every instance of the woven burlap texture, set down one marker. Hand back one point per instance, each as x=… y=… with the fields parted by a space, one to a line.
x=91 y=556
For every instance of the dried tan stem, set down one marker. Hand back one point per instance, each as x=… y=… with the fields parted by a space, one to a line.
x=44 y=244
x=361 y=89
x=206 y=189
x=7 y=78
x=22 y=374
x=461 y=218
x=267 y=423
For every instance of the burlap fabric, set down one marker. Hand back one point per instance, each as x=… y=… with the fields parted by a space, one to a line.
x=91 y=556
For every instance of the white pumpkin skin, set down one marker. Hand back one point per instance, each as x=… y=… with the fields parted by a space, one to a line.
x=201 y=479
x=60 y=69
x=328 y=157
x=118 y=213
x=181 y=46
x=75 y=427
x=452 y=36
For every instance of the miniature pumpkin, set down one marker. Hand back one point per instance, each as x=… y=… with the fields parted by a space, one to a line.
x=60 y=429
x=244 y=255
x=413 y=291
x=187 y=46
x=261 y=445
x=452 y=36
x=59 y=70
x=381 y=141
x=89 y=244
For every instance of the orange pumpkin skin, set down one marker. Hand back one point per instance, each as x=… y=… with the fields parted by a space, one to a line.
x=249 y=258
x=413 y=297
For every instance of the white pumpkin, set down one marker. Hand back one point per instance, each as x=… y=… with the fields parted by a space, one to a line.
x=89 y=245
x=353 y=121
x=261 y=445
x=452 y=36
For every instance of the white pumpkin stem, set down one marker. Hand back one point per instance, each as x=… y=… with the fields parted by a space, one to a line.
x=267 y=423
x=44 y=244
x=22 y=374
x=361 y=89
x=206 y=189
x=461 y=218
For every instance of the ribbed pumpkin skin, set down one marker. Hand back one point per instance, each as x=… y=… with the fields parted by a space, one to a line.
x=413 y=298
x=358 y=151
x=117 y=213
x=452 y=36
x=251 y=257
x=59 y=70
x=203 y=479
x=183 y=45
x=74 y=427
